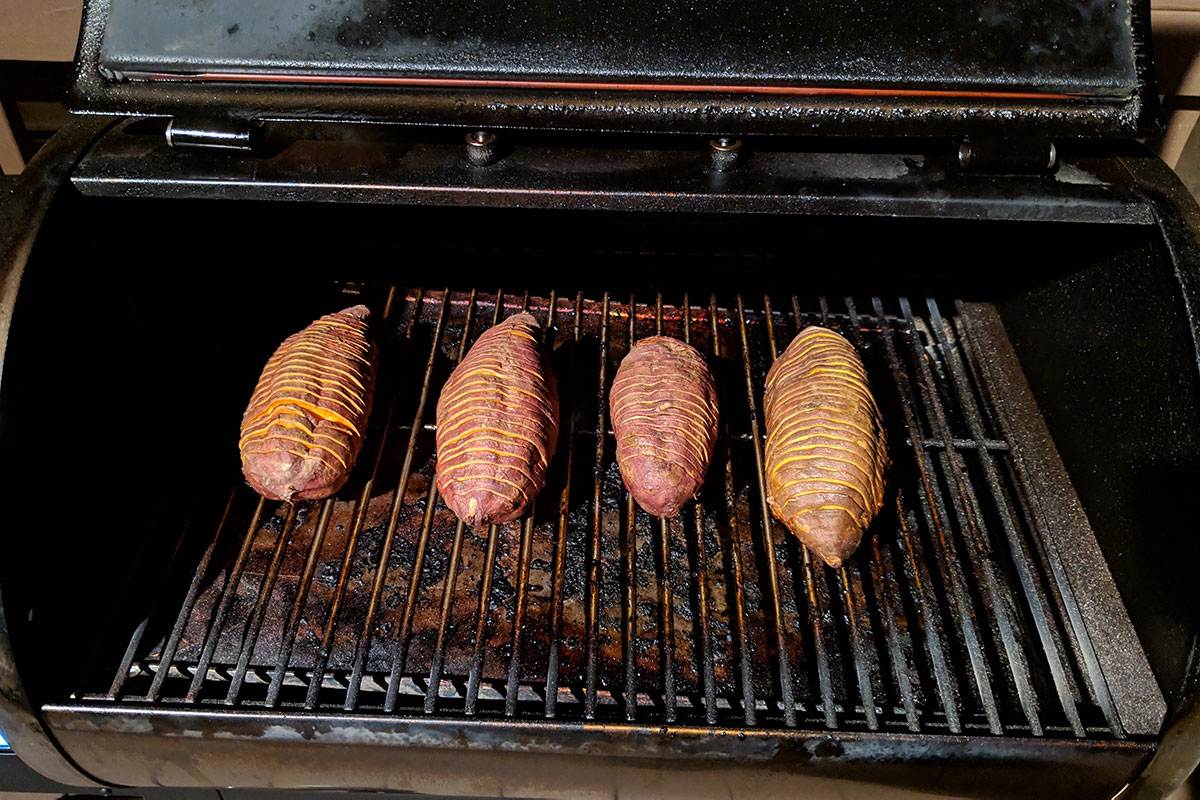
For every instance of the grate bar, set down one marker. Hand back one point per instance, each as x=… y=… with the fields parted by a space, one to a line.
x=982 y=444
x=934 y=509
x=862 y=632
x=253 y=627
x=400 y=643
x=560 y=544
x=701 y=577
x=736 y=542
x=481 y=621
x=363 y=644
x=1094 y=675
x=883 y=577
x=629 y=560
x=317 y=676
x=1018 y=505
x=921 y=587
x=122 y=673
x=593 y=606
x=978 y=546
x=439 y=649
x=485 y=588
x=901 y=647
x=231 y=581
x=819 y=605
x=1033 y=595
x=824 y=637
x=475 y=674
x=666 y=592
x=786 y=689
x=289 y=632
x=861 y=644
x=189 y=603
x=667 y=637
x=629 y=610
x=512 y=688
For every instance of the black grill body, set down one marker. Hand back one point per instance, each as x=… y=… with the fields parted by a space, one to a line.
x=1022 y=291
x=776 y=68
x=1018 y=611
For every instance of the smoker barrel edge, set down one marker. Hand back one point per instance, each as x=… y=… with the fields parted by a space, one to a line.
x=915 y=179
x=527 y=759
x=632 y=111
x=22 y=211
x=1178 y=216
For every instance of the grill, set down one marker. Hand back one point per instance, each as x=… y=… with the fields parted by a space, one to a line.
x=955 y=615
x=971 y=213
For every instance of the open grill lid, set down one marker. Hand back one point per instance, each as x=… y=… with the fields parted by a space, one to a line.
x=1052 y=67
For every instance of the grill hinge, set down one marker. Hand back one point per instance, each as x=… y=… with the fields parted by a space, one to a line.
x=234 y=135
x=1008 y=156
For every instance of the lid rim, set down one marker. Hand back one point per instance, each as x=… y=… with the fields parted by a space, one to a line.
x=706 y=106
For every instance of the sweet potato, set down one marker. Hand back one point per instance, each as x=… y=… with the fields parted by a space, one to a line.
x=305 y=422
x=664 y=414
x=497 y=425
x=826 y=449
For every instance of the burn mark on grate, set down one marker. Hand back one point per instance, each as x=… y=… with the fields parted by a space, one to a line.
x=953 y=616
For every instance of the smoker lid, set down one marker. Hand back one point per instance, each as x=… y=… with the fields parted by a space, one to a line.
x=1031 y=55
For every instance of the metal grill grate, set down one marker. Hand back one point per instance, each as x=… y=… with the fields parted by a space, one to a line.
x=952 y=617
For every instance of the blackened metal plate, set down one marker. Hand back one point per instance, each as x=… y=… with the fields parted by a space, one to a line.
x=340 y=163
x=1056 y=46
x=185 y=747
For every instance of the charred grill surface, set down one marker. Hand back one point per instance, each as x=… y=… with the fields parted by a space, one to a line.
x=946 y=619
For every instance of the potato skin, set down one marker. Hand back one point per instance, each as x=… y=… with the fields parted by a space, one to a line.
x=664 y=413
x=497 y=425
x=826 y=448
x=305 y=422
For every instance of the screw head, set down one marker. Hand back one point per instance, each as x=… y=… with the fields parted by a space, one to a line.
x=965 y=154
x=724 y=152
x=480 y=138
x=481 y=148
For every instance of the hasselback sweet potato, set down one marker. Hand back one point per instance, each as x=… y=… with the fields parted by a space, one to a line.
x=826 y=448
x=305 y=422
x=664 y=414
x=497 y=425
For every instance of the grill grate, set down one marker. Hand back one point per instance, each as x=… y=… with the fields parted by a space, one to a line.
x=952 y=617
